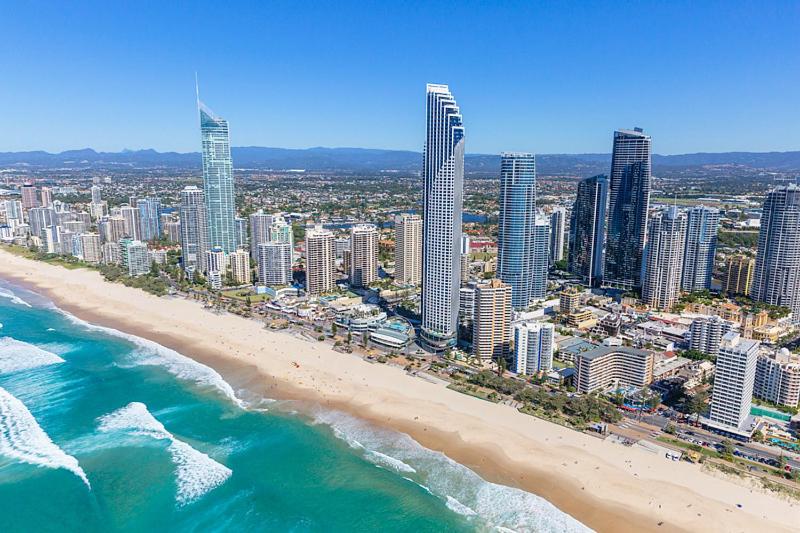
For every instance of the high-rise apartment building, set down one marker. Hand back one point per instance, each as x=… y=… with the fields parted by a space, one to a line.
x=533 y=347
x=778 y=378
x=194 y=229
x=320 y=261
x=705 y=334
x=628 y=204
x=610 y=367
x=97 y=194
x=40 y=218
x=91 y=248
x=47 y=197
x=216 y=261
x=569 y=300
x=275 y=263
x=540 y=254
x=664 y=259
x=131 y=216
x=734 y=377
x=218 y=180
x=240 y=266
x=134 y=257
x=408 y=249
x=516 y=225
x=363 y=255
x=260 y=223
x=29 y=197
x=702 y=224
x=738 y=276
x=149 y=218
x=776 y=278
x=587 y=230
x=443 y=177
x=240 y=229
x=172 y=231
x=491 y=327
x=558 y=229
x=281 y=231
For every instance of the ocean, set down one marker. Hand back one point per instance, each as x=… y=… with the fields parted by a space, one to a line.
x=104 y=431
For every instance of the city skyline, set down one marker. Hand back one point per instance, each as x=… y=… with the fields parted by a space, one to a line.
x=270 y=89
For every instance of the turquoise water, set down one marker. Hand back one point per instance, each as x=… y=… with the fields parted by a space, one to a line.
x=100 y=431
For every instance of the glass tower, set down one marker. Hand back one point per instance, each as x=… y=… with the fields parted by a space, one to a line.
x=515 y=228
x=587 y=230
x=218 y=180
x=443 y=176
x=701 y=246
x=194 y=230
x=149 y=218
x=628 y=202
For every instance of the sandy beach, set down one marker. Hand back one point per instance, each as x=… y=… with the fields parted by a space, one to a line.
x=606 y=486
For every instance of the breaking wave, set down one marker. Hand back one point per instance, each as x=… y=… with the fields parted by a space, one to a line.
x=5 y=293
x=23 y=439
x=196 y=472
x=463 y=491
x=18 y=355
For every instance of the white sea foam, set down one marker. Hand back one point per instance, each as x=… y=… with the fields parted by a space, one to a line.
x=5 y=293
x=461 y=490
x=388 y=460
x=22 y=438
x=196 y=472
x=17 y=355
x=151 y=353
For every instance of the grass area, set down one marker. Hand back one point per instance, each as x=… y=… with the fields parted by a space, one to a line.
x=52 y=259
x=683 y=201
x=471 y=390
x=242 y=295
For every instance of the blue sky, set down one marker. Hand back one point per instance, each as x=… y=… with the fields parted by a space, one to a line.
x=548 y=77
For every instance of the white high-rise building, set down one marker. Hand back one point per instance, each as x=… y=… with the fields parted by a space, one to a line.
x=541 y=254
x=240 y=266
x=491 y=328
x=216 y=260
x=702 y=224
x=408 y=249
x=443 y=176
x=363 y=255
x=134 y=257
x=91 y=248
x=275 y=263
x=778 y=378
x=260 y=223
x=733 y=384
x=705 y=334
x=47 y=197
x=320 y=261
x=533 y=347
x=194 y=232
x=664 y=259
x=132 y=224
x=97 y=194
x=558 y=229
x=281 y=231
x=776 y=278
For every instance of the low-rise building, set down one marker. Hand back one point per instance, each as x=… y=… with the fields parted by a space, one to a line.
x=581 y=319
x=607 y=367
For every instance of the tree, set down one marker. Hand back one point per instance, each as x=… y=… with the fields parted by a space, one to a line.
x=349 y=337
x=669 y=429
x=334 y=329
x=727 y=450
x=758 y=436
x=697 y=405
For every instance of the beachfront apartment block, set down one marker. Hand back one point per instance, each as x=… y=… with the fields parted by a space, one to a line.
x=734 y=378
x=408 y=249
x=491 y=327
x=610 y=367
x=363 y=255
x=778 y=378
x=533 y=347
x=240 y=266
x=320 y=261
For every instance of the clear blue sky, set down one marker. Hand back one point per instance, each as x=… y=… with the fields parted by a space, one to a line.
x=541 y=76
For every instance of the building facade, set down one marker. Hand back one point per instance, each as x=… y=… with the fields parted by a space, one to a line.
x=610 y=367
x=628 y=205
x=275 y=263
x=778 y=378
x=705 y=334
x=734 y=378
x=408 y=249
x=587 y=230
x=218 y=180
x=533 y=347
x=738 y=277
x=664 y=259
x=240 y=267
x=320 y=261
x=702 y=224
x=443 y=177
x=491 y=327
x=194 y=230
x=149 y=218
x=363 y=255
x=541 y=257
x=558 y=229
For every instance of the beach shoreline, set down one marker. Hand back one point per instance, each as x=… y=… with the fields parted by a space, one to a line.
x=605 y=486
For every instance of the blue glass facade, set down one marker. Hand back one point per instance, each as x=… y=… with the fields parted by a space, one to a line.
x=149 y=218
x=218 y=181
x=515 y=243
x=587 y=230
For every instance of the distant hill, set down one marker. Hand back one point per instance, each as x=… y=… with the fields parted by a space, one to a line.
x=373 y=160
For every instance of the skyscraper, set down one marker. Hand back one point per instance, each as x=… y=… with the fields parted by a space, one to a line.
x=628 y=203
x=491 y=328
x=734 y=378
x=558 y=220
x=408 y=249
x=664 y=263
x=443 y=176
x=149 y=218
x=515 y=228
x=275 y=263
x=240 y=230
x=131 y=216
x=363 y=255
x=587 y=230
x=701 y=245
x=738 y=275
x=29 y=198
x=259 y=230
x=320 y=261
x=776 y=279
x=541 y=254
x=240 y=266
x=533 y=347
x=97 y=194
x=47 y=197
x=194 y=229
x=218 y=180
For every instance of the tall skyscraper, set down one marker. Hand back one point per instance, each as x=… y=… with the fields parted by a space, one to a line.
x=149 y=218
x=702 y=224
x=443 y=176
x=97 y=194
x=240 y=229
x=281 y=231
x=628 y=204
x=738 y=276
x=259 y=230
x=240 y=266
x=734 y=377
x=587 y=230
x=664 y=263
x=515 y=228
x=131 y=216
x=47 y=197
x=558 y=221
x=29 y=197
x=320 y=261
x=408 y=249
x=194 y=229
x=776 y=279
x=91 y=249
x=541 y=255
x=275 y=263
x=533 y=347
x=491 y=328
x=40 y=218
x=218 y=180
x=363 y=255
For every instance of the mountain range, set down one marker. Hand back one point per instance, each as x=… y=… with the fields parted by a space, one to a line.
x=375 y=160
